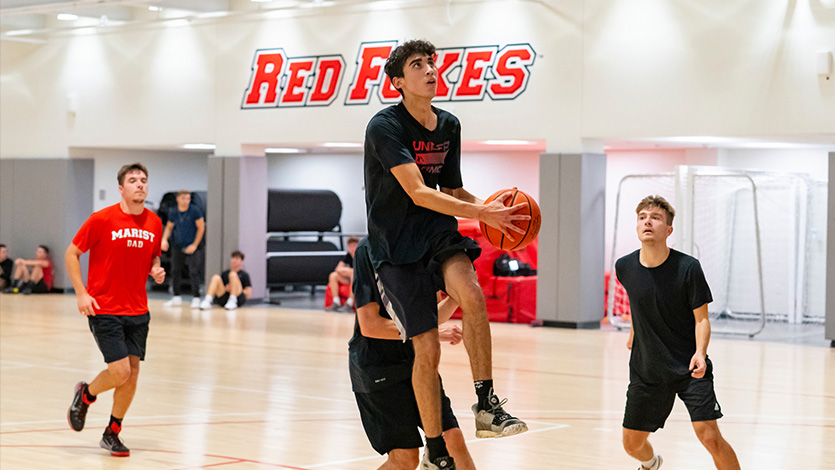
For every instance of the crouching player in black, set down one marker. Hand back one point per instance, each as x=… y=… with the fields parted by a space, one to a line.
x=381 y=374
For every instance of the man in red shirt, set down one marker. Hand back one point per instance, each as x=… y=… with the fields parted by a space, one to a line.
x=124 y=241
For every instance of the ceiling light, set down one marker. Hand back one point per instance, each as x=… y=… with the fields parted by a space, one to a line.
x=508 y=142
x=67 y=17
x=283 y=150
x=154 y=8
x=261 y=1
x=342 y=144
x=199 y=146
x=19 y=32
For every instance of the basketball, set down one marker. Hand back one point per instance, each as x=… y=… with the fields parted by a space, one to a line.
x=531 y=227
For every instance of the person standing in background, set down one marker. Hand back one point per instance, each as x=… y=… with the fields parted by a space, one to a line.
x=186 y=225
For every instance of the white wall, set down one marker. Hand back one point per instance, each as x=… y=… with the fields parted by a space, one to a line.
x=168 y=171
x=483 y=173
x=810 y=162
x=604 y=69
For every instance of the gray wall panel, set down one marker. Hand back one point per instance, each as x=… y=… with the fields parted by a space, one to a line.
x=44 y=202
x=571 y=265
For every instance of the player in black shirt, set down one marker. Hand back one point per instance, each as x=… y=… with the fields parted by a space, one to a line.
x=413 y=194
x=231 y=288
x=670 y=332
x=381 y=375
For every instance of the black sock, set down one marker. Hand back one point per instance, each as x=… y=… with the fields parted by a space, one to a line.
x=483 y=389
x=115 y=424
x=436 y=447
x=88 y=397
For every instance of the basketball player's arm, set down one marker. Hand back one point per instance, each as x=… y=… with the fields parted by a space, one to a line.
x=86 y=303
x=462 y=194
x=157 y=271
x=372 y=325
x=494 y=214
x=169 y=227
x=201 y=228
x=698 y=364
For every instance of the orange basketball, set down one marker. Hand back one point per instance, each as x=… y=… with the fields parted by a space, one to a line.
x=531 y=227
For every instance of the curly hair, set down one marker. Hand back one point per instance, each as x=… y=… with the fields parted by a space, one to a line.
x=398 y=57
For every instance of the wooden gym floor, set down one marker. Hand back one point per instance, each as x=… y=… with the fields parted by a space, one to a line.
x=268 y=388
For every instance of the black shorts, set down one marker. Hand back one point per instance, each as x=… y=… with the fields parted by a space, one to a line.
x=120 y=336
x=40 y=287
x=222 y=299
x=648 y=406
x=391 y=419
x=408 y=290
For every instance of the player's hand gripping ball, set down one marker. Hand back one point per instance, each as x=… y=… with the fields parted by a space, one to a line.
x=531 y=227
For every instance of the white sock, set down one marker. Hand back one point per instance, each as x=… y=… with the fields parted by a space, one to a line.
x=336 y=300
x=649 y=463
x=350 y=302
x=208 y=298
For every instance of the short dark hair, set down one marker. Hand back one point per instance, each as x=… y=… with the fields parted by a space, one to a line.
x=659 y=202
x=237 y=254
x=183 y=192
x=120 y=177
x=398 y=57
x=353 y=240
x=2 y=245
x=45 y=248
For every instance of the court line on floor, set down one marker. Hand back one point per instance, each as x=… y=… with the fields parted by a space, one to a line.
x=234 y=459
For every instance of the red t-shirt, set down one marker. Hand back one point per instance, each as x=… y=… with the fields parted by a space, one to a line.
x=47 y=274
x=122 y=249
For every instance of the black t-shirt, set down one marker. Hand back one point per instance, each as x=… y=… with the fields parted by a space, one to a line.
x=7 y=265
x=662 y=300
x=242 y=275
x=399 y=230
x=348 y=260
x=378 y=363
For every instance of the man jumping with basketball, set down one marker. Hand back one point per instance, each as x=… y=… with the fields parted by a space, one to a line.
x=670 y=332
x=124 y=241
x=411 y=150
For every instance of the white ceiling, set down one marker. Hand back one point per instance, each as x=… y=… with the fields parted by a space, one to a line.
x=33 y=20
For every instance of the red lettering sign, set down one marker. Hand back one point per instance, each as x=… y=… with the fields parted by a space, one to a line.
x=472 y=84
x=294 y=92
x=327 y=79
x=370 y=61
x=511 y=71
x=267 y=69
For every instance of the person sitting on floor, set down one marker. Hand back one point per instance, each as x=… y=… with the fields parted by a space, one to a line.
x=343 y=275
x=33 y=276
x=6 y=268
x=231 y=288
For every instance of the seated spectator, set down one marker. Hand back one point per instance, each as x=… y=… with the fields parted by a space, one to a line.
x=6 y=267
x=343 y=275
x=33 y=276
x=231 y=288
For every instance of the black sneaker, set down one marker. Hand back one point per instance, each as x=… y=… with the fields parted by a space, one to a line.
x=110 y=441
x=441 y=463
x=496 y=422
x=77 y=414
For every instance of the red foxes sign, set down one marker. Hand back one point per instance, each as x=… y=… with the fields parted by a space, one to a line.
x=464 y=74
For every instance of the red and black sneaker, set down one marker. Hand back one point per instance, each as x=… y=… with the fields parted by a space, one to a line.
x=77 y=414
x=110 y=441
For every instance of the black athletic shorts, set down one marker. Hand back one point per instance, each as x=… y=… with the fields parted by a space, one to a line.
x=120 y=336
x=222 y=299
x=649 y=405
x=391 y=419
x=408 y=290
x=40 y=287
